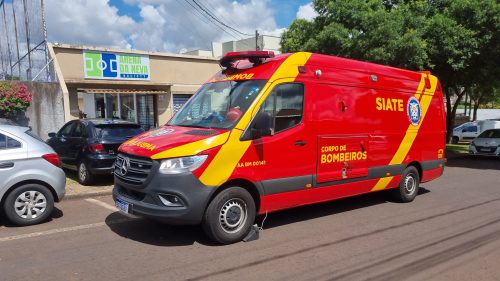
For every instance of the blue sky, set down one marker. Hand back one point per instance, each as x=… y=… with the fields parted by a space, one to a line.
x=166 y=25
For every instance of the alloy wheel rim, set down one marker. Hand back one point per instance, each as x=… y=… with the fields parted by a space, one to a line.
x=233 y=215
x=30 y=204
x=82 y=172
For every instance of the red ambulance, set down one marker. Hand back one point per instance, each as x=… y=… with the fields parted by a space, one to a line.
x=274 y=132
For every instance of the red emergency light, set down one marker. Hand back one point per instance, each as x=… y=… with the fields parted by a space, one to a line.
x=255 y=57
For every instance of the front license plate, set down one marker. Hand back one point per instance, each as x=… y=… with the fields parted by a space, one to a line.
x=485 y=149
x=122 y=205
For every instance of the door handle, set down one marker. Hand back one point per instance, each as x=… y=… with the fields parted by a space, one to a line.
x=6 y=165
x=300 y=143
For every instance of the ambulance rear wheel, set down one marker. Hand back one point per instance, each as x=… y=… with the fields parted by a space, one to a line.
x=229 y=216
x=408 y=186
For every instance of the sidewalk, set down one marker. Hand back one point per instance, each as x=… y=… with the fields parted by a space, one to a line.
x=74 y=190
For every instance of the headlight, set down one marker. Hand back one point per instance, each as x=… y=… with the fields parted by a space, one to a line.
x=182 y=164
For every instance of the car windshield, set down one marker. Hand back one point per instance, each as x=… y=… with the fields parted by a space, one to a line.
x=490 y=134
x=218 y=105
x=117 y=131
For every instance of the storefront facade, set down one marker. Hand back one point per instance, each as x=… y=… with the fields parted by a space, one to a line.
x=142 y=87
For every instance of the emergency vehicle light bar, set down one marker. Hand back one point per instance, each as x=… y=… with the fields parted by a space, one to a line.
x=255 y=57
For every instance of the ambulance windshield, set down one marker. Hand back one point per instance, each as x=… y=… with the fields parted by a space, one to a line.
x=218 y=105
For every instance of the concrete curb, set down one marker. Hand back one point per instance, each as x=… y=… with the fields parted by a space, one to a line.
x=87 y=194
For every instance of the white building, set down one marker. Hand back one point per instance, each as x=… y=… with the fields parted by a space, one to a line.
x=264 y=42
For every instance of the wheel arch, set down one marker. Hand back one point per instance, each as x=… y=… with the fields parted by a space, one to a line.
x=25 y=182
x=418 y=166
x=249 y=186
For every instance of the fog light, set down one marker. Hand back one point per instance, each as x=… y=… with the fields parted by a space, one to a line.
x=171 y=200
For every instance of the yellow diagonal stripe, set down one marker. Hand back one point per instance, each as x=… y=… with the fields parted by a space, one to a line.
x=412 y=131
x=193 y=148
x=224 y=163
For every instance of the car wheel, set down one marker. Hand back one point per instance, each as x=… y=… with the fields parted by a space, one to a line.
x=454 y=140
x=229 y=215
x=408 y=186
x=28 y=204
x=84 y=175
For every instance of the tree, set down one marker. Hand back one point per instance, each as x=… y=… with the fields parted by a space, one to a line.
x=457 y=40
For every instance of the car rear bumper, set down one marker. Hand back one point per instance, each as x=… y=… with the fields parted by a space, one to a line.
x=101 y=164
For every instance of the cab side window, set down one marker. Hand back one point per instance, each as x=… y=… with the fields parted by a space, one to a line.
x=79 y=131
x=67 y=130
x=471 y=129
x=7 y=142
x=285 y=104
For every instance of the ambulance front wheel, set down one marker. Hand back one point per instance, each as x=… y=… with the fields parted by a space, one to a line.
x=408 y=186
x=229 y=216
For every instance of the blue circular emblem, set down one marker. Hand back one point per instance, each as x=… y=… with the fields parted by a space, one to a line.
x=414 y=111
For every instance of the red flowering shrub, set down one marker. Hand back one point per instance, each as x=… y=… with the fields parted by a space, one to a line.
x=14 y=97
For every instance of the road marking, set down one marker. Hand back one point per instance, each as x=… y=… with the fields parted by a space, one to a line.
x=62 y=230
x=102 y=204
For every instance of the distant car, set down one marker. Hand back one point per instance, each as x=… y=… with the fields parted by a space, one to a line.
x=89 y=146
x=31 y=179
x=487 y=143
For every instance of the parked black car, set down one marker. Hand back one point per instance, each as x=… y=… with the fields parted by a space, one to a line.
x=89 y=146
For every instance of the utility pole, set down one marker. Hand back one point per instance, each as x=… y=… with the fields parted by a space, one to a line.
x=257 y=40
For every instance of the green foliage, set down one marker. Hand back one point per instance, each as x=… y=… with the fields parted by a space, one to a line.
x=457 y=40
x=14 y=97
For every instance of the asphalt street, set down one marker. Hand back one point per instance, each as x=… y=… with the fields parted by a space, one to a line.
x=450 y=232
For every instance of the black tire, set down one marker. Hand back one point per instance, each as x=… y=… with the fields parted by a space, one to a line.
x=29 y=199
x=408 y=186
x=83 y=174
x=454 y=140
x=229 y=216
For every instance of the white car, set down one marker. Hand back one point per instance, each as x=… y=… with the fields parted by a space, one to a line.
x=487 y=143
x=30 y=176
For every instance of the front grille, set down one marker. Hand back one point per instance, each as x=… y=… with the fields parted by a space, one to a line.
x=132 y=170
x=485 y=149
x=132 y=194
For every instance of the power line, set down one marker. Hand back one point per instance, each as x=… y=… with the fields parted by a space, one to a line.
x=211 y=21
x=217 y=19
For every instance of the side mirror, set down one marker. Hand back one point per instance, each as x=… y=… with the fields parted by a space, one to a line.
x=52 y=135
x=262 y=126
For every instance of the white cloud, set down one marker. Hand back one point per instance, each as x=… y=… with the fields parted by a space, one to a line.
x=165 y=25
x=89 y=22
x=307 y=12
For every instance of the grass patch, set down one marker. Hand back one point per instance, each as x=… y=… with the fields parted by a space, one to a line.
x=457 y=148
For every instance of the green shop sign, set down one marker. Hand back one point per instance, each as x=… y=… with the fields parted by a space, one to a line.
x=99 y=65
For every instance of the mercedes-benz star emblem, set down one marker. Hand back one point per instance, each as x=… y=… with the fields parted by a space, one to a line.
x=124 y=166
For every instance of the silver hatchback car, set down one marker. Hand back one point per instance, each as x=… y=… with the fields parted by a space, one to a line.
x=487 y=143
x=30 y=176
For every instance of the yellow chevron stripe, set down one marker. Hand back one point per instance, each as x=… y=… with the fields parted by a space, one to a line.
x=192 y=148
x=224 y=163
x=412 y=131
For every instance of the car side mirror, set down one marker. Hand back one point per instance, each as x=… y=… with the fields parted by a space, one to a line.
x=262 y=126
x=52 y=135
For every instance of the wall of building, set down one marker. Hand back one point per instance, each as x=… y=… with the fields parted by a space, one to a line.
x=46 y=111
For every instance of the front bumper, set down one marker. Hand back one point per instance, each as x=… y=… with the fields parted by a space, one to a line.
x=484 y=151
x=145 y=201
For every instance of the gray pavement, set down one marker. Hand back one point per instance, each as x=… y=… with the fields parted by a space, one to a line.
x=450 y=232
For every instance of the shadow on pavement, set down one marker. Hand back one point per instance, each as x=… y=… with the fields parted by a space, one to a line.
x=56 y=213
x=158 y=234
x=155 y=233
x=474 y=162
